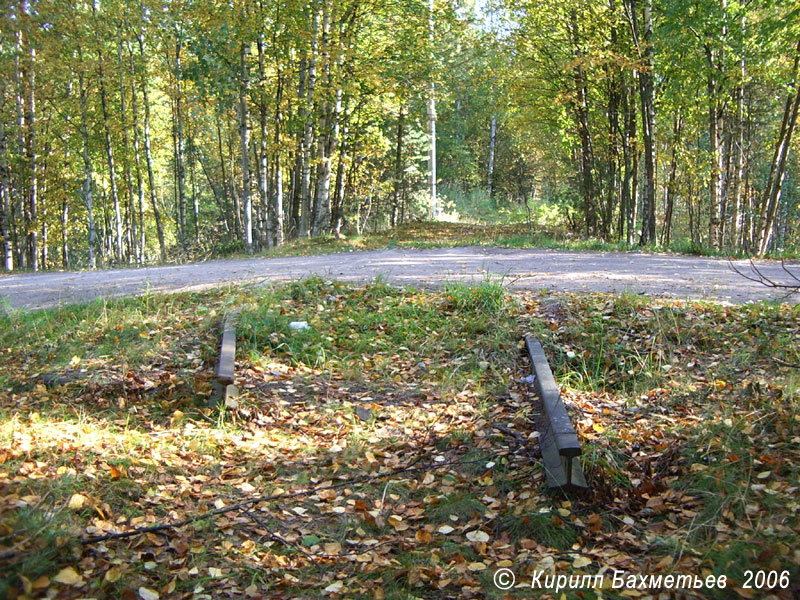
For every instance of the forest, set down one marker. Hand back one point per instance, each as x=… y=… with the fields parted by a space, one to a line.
x=422 y=421
x=141 y=132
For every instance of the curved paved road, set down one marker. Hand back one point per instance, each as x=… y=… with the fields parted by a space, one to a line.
x=655 y=274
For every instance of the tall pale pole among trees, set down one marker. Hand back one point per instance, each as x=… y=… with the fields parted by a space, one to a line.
x=432 y=121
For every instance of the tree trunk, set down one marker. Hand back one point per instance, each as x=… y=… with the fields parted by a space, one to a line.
x=244 y=133
x=614 y=83
x=195 y=196
x=109 y=147
x=34 y=165
x=342 y=181
x=669 y=201
x=305 y=188
x=44 y=251
x=398 y=167
x=337 y=215
x=64 y=229
x=321 y=208
x=628 y=132
x=225 y=183
x=263 y=157
x=739 y=159
x=716 y=184
x=149 y=159
x=300 y=154
x=492 y=143
x=277 y=209
x=5 y=197
x=180 y=153
x=580 y=108
x=20 y=210
x=634 y=175
x=136 y=157
x=87 y=170
x=238 y=229
x=777 y=172
x=432 y=120
x=644 y=45
x=131 y=233
x=333 y=113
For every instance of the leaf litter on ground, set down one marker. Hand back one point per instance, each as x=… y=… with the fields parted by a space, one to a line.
x=391 y=449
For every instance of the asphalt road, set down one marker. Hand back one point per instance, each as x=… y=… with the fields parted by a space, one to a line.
x=555 y=270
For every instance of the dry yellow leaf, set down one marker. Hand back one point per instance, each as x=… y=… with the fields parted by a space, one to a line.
x=581 y=561
x=327 y=494
x=664 y=562
x=68 y=576
x=332 y=548
x=77 y=501
x=478 y=536
x=148 y=594
x=423 y=536
x=397 y=522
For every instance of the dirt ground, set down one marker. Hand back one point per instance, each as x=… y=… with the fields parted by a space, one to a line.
x=652 y=274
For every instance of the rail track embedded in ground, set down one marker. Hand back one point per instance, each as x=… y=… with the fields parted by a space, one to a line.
x=224 y=389
x=559 y=442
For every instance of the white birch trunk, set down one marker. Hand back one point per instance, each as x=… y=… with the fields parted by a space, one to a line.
x=492 y=142
x=432 y=124
x=244 y=132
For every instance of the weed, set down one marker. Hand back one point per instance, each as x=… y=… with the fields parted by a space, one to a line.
x=544 y=527
x=46 y=532
x=461 y=506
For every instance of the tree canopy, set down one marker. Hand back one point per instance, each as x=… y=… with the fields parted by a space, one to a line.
x=136 y=132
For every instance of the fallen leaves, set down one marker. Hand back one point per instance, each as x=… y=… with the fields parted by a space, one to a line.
x=68 y=576
x=76 y=502
x=334 y=588
x=148 y=594
x=477 y=536
x=470 y=500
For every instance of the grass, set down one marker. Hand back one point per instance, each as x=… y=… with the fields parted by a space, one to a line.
x=545 y=527
x=392 y=330
x=441 y=234
x=689 y=427
x=455 y=507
